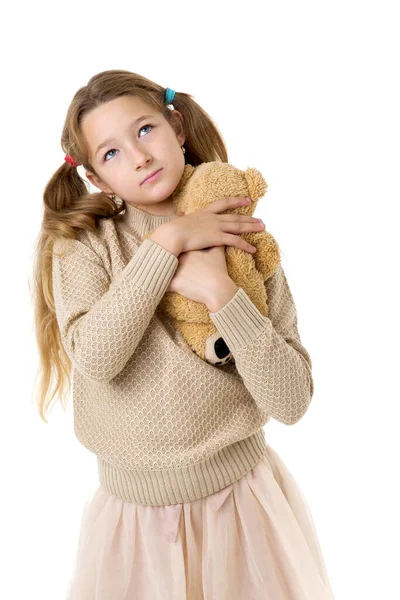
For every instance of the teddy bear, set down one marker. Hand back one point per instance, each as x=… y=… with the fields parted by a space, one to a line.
x=199 y=186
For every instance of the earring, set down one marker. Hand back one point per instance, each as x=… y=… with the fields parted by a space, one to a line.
x=183 y=149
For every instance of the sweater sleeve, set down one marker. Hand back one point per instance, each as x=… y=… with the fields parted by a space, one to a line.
x=269 y=356
x=101 y=322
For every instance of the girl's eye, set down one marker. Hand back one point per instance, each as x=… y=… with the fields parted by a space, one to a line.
x=104 y=157
x=113 y=149
x=144 y=126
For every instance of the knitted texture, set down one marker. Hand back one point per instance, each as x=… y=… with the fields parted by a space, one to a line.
x=166 y=426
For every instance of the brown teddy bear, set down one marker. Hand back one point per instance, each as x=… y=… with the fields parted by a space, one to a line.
x=198 y=187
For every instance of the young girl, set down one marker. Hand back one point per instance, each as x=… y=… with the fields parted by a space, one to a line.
x=192 y=502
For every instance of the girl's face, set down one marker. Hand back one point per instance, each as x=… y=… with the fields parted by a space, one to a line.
x=126 y=148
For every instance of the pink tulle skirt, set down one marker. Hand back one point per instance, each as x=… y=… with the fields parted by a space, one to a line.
x=254 y=539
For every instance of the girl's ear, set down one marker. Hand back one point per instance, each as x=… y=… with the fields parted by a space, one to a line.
x=99 y=183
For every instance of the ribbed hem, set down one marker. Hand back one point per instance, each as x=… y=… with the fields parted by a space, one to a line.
x=152 y=267
x=185 y=484
x=239 y=321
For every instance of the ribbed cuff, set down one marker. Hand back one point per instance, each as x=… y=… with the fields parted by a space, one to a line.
x=151 y=267
x=239 y=322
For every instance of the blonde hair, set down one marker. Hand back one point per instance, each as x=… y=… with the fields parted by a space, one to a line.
x=69 y=207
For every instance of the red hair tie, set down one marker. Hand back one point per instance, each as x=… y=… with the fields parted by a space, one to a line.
x=71 y=160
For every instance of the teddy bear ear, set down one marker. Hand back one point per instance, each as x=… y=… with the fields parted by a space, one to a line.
x=256 y=183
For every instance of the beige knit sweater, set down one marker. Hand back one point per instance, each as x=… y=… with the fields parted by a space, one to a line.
x=166 y=426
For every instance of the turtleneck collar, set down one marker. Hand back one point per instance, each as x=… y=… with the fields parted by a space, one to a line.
x=141 y=221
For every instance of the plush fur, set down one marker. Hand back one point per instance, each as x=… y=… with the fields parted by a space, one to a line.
x=198 y=187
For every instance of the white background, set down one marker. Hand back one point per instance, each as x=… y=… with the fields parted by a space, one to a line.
x=306 y=92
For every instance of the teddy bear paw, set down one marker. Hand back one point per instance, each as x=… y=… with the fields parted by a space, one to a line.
x=217 y=352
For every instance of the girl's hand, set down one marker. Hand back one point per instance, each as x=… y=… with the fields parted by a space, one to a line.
x=206 y=227
x=199 y=273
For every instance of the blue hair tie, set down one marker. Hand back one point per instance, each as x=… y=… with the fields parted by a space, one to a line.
x=169 y=95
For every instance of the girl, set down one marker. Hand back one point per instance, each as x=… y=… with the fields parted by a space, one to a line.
x=192 y=502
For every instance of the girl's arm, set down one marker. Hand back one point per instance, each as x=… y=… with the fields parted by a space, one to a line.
x=269 y=356
x=102 y=322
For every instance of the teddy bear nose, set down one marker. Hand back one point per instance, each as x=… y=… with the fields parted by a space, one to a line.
x=221 y=349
